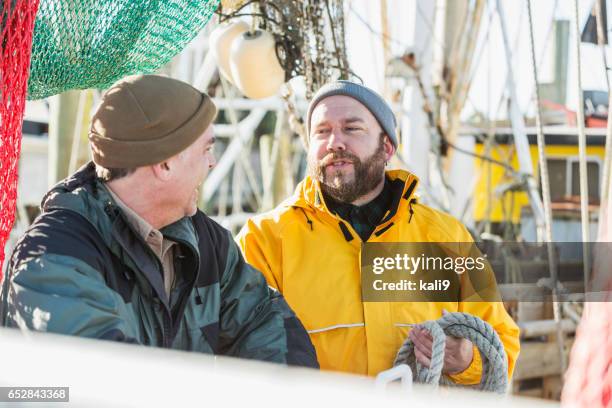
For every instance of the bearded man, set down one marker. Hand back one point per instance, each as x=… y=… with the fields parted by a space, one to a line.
x=309 y=247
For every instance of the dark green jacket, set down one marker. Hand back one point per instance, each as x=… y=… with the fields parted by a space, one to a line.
x=81 y=270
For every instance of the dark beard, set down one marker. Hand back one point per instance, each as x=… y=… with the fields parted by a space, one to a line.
x=367 y=175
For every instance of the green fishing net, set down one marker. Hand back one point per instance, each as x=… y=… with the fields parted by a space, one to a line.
x=80 y=44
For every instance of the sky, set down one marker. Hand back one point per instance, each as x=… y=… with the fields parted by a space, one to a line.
x=366 y=56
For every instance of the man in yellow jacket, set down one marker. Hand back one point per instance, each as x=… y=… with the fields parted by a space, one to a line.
x=309 y=247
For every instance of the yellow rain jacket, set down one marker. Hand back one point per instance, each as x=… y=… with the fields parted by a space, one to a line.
x=304 y=252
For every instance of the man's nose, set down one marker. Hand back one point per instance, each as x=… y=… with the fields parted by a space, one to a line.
x=213 y=161
x=336 y=141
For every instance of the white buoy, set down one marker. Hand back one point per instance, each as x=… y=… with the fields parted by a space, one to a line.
x=254 y=64
x=221 y=40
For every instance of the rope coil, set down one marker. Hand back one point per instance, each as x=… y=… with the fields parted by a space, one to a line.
x=463 y=325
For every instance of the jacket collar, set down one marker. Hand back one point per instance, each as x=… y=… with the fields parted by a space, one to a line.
x=84 y=194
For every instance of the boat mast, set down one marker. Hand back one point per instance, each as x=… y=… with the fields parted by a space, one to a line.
x=520 y=135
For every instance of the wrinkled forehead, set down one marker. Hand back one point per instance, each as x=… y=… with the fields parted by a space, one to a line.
x=339 y=108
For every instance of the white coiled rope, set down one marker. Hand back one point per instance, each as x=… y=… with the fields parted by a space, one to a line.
x=463 y=325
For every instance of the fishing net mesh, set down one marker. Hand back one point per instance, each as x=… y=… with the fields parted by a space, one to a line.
x=80 y=44
x=16 y=26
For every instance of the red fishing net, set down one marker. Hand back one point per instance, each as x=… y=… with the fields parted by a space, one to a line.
x=588 y=381
x=16 y=27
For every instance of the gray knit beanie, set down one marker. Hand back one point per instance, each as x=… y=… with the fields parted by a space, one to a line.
x=370 y=99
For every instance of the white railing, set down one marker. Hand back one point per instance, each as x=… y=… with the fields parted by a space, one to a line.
x=108 y=374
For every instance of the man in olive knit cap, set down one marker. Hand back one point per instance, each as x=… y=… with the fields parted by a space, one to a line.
x=121 y=251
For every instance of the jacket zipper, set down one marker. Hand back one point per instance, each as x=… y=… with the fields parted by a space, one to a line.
x=168 y=322
x=166 y=329
x=167 y=319
x=167 y=316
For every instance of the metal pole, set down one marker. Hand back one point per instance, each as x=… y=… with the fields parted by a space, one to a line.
x=416 y=139
x=78 y=132
x=237 y=177
x=582 y=155
x=384 y=24
x=520 y=136
x=543 y=165
x=62 y=110
x=605 y=181
x=265 y=159
x=552 y=260
x=601 y=39
x=461 y=84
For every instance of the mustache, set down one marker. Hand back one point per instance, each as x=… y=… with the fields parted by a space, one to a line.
x=342 y=155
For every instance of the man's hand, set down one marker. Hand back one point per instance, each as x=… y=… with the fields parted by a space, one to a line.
x=458 y=352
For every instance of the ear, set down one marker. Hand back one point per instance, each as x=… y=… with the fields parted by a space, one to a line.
x=162 y=171
x=388 y=147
